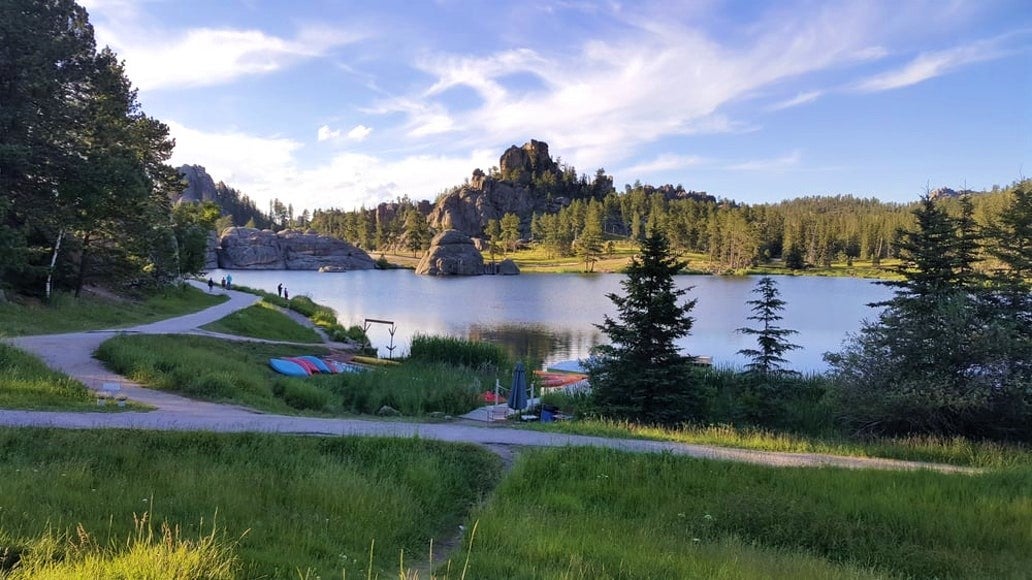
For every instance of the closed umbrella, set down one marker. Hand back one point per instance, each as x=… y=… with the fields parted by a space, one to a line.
x=518 y=394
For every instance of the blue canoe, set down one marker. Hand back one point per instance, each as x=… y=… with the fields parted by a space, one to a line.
x=286 y=367
x=318 y=362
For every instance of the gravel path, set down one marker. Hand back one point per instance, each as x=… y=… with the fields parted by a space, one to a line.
x=72 y=355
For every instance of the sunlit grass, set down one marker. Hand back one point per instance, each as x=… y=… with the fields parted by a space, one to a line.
x=262 y=320
x=68 y=314
x=288 y=503
x=956 y=450
x=590 y=513
x=27 y=383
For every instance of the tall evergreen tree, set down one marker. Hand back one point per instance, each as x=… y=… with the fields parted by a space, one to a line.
x=589 y=243
x=641 y=375
x=771 y=339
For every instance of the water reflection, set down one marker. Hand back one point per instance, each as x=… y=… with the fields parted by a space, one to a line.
x=537 y=344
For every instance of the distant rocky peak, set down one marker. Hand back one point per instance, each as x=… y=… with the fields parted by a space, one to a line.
x=200 y=186
x=522 y=164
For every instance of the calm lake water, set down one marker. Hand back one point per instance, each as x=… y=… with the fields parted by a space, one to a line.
x=550 y=317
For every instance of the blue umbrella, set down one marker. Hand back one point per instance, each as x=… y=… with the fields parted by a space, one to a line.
x=518 y=394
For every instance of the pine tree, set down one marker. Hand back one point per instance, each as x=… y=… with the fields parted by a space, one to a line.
x=589 y=243
x=640 y=375
x=771 y=338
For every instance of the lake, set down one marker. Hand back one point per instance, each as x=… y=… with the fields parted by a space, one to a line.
x=550 y=317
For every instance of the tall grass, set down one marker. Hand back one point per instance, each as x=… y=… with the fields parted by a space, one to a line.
x=27 y=383
x=214 y=370
x=288 y=503
x=587 y=513
x=237 y=372
x=414 y=389
x=458 y=351
x=262 y=320
x=65 y=313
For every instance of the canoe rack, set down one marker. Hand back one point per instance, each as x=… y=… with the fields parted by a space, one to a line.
x=369 y=322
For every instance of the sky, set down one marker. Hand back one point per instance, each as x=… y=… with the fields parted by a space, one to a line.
x=334 y=103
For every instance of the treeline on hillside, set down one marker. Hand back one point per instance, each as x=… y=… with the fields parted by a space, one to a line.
x=803 y=232
x=83 y=169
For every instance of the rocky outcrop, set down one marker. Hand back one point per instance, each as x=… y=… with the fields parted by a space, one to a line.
x=211 y=251
x=451 y=253
x=200 y=186
x=489 y=197
x=252 y=249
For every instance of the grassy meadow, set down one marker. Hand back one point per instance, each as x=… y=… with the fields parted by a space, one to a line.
x=263 y=321
x=238 y=372
x=64 y=313
x=593 y=513
x=270 y=506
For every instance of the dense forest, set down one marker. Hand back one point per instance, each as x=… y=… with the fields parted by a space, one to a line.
x=86 y=187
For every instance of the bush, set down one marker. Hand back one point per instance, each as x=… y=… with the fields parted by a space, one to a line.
x=460 y=352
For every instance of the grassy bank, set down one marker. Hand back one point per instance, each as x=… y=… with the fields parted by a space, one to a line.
x=68 y=314
x=291 y=505
x=322 y=316
x=588 y=513
x=263 y=321
x=27 y=383
x=237 y=372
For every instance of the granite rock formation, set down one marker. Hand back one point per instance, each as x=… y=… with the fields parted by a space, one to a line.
x=253 y=249
x=451 y=253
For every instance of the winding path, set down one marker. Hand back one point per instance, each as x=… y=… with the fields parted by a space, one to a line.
x=72 y=354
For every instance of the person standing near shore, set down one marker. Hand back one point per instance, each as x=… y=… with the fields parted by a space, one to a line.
x=229 y=281
x=279 y=290
x=286 y=295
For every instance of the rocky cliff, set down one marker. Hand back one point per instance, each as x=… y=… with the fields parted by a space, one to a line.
x=489 y=197
x=253 y=249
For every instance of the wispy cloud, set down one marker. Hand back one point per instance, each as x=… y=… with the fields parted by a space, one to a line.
x=775 y=164
x=326 y=134
x=800 y=99
x=665 y=162
x=929 y=65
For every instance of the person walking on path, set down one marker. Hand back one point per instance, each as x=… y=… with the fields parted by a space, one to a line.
x=279 y=290
x=223 y=282
x=229 y=281
x=211 y=285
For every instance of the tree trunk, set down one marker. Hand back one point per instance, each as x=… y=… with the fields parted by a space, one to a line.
x=83 y=257
x=53 y=262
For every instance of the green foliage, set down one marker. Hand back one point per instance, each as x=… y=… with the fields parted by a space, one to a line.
x=457 y=351
x=941 y=356
x=286 y=505
x=586 y=513
x=641 y=376
x=263 y=321
x=192 y=224
x=771 y=339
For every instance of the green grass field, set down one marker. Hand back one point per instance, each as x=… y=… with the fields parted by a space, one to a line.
x=237 y=372
x=68 y=314
x=592 y=513
x=263 y=321
x=286 y=506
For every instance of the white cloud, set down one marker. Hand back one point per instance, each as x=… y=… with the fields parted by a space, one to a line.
x=800 y=99
x=929 y=65
x=325 y=133
x=270 y=167
x=359 y=132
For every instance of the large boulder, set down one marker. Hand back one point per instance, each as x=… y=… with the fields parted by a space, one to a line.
x=252 y=249
x=507 y=268
x=451 y=253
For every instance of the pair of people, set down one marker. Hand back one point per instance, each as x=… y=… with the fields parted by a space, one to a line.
x=282 y=291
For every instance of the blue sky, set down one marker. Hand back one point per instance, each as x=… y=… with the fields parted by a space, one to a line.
x=333 y=103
